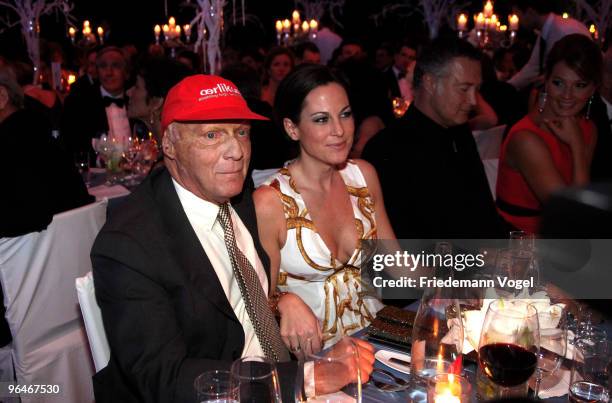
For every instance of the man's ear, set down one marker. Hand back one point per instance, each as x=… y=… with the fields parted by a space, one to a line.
x=4 y=97
x=429 y=83
x=168 y=138
x=291 y=129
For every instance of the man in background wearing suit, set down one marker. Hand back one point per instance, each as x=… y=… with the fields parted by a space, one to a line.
x=181 y=277
x=101 y=108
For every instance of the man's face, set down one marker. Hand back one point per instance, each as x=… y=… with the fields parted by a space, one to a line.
x=453 y=94
x=383 y=59
x=311 y=57
x=112 y=72
x=209 y=159
x=404 y=58
x=351 y=50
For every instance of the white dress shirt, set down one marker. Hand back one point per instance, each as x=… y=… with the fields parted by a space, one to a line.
x=202 y=216
x=118 y=121
x=554 y=28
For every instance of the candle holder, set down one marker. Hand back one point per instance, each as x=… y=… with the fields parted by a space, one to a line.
x=448 y=388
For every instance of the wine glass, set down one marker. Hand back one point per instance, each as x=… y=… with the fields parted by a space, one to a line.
x=337 y=374
x=215 y=387
x=509 y=343
x=522 y=251
x=256 y=380
x=553 y=343
x=591 y=377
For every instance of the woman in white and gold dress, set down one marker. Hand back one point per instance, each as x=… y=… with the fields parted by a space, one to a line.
x=314 y=214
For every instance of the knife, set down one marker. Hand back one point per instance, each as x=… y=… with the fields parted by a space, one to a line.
x=399 y=362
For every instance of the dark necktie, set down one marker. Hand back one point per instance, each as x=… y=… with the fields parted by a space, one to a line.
x=255 y=300
x=120 y=102
x=542 y=53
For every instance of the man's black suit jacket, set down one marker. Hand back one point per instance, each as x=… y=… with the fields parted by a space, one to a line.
x=84 y=118
x=166 y=316
x=392 y=82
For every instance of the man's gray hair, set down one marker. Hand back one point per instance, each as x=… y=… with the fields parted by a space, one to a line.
x=8 y=81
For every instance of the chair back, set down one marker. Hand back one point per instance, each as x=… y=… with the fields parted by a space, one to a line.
x=37 y=272
x=100 y=351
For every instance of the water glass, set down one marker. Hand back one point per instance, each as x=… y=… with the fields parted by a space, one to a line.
x=215 y=387
x=338 y=376
x=256 y=380
x=591 y=377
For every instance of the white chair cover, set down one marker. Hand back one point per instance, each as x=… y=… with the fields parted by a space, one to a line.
x=37 y=271
x=489 y=143
x=92 y=317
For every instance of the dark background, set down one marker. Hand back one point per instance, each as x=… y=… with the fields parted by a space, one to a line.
x=132 y=21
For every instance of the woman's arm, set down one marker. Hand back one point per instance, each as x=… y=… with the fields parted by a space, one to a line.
x=299 y=327
x=485 y=117
x=529 y=154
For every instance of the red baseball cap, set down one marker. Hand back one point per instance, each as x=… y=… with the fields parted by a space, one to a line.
x=203 y=98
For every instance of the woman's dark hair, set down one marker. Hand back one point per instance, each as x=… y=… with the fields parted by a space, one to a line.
x=294 y=89
x=161 y=74
x=581 y=54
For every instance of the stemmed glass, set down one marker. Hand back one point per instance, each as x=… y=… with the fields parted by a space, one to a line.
x=509 y=343
x=256 y=380
x=522 y=252
x=553 y=343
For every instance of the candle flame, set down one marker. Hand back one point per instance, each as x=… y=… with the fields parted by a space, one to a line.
x=279 y=26
x=314 y=24
x=565 y=16
x=592 y=29
x=71 y=78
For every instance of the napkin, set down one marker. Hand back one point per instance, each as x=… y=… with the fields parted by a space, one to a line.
x=555 y=385
x=548 y=316
x=109 y=192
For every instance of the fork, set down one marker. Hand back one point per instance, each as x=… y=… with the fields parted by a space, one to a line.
x=397 y=385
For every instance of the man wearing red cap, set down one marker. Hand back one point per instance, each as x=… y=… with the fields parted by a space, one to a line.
x=181 y=278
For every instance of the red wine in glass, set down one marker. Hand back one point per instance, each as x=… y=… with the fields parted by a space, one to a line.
x=507 y=364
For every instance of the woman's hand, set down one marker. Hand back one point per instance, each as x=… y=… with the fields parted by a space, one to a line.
x=299 y=327
x=567 y=130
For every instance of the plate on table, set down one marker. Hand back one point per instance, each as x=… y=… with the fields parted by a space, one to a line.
x=385 y=356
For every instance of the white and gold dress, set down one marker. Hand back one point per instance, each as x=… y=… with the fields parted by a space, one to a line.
x=333 y=289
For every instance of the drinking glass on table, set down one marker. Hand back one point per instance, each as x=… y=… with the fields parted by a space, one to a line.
x=591 y=379
x=522 y=251
x=338 y=376
x=215 y=387
x=81 y=160
x=509 y=344
x=256 y=380
x=553 y=343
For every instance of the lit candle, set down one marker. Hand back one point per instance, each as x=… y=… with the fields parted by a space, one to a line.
x=71 y=79
x=187 y=30
x=462 y=22
x=503 y=28
x=286 y=26
x=86 y=24
x=447 y=389
x=101 y=35
x=488 y=9
x=171 y=22
x=480 y=21
x=305 y=26
x=314 y=25
x=295 y=17
x=157 y=31
x=593 y=31
x=279 y=26
x=565 y=16
x=72 y=33
x=493 y=22
x=166 y=30
x=514 y=22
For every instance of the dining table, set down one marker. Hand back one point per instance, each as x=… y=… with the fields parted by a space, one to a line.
x=370 y=393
